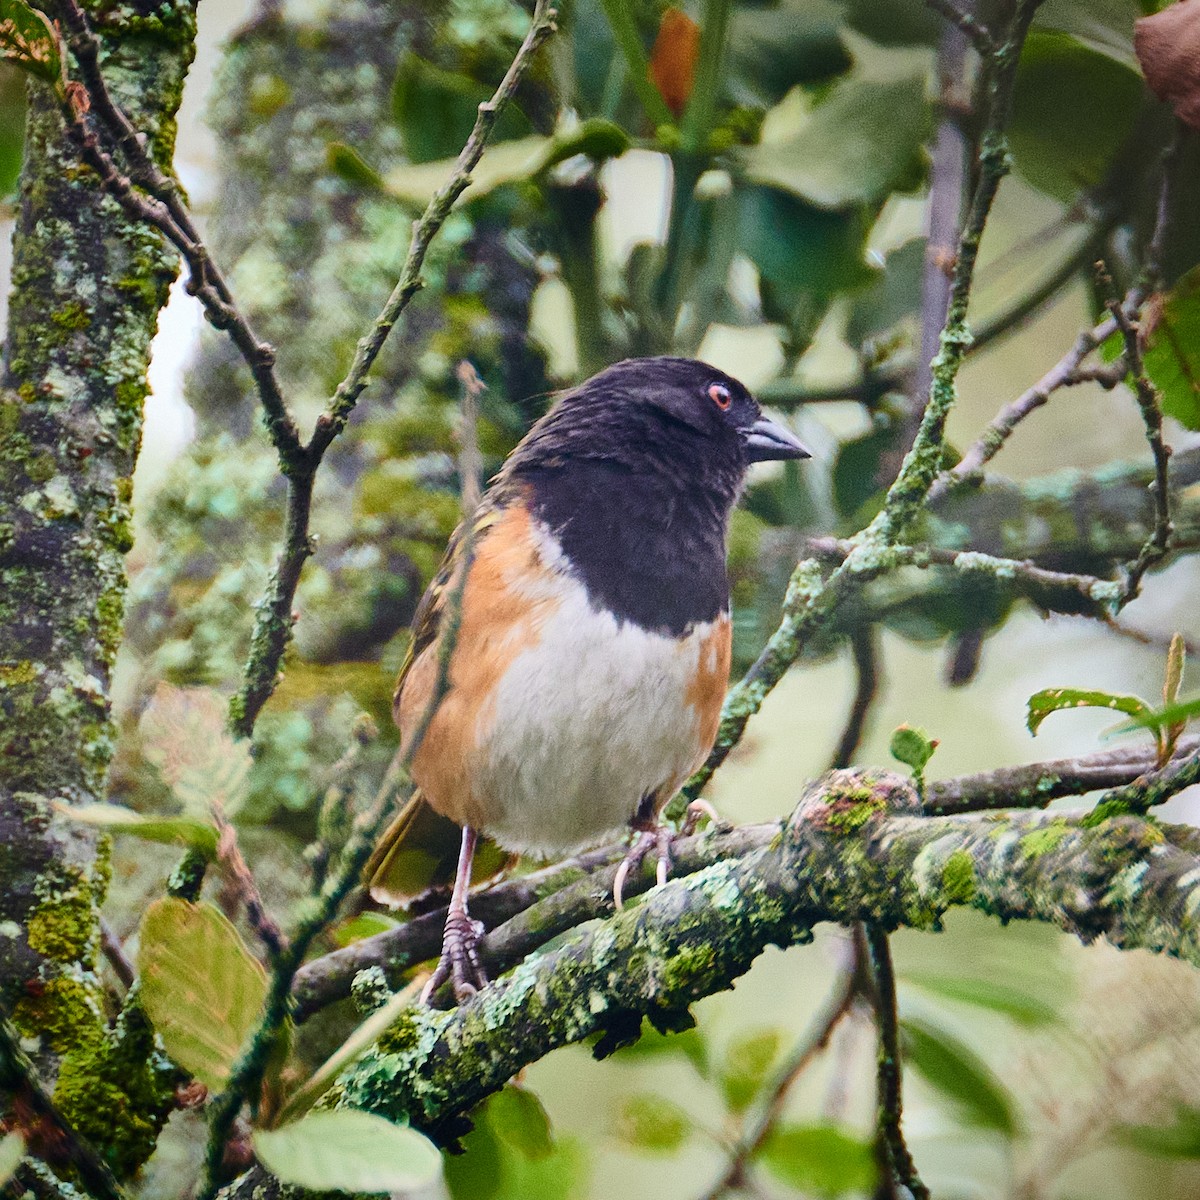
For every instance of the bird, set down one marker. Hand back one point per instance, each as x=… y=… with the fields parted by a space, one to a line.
x=569 y=659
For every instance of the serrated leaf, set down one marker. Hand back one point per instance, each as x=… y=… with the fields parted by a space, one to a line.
x=856 y=147
x=12 y=1150
x=960 y=1075
x=200 y=985
x=989 y=994
x=819 y=1159
x=1043 y=703
x=1180 y=1139
x=348 y=1151
x=913 y=747
x=746 y=1065
x=185 y=736
x=173 y=831
x=1172 y=354
x=521 y=1122
x=653 y=1124
x=28 y=40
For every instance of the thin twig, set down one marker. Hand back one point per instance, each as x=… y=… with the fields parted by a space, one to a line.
x=968 y=23
x=864 y=645
x=259 y=917
x=19 y=1079
x=114 y=952
x=1146 y=394
x=814 y=1041
x=889 y=1079
x=273 y=626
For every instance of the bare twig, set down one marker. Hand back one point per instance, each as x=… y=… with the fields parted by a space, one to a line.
x=19 y=1080
x=1037 y=785
x=889 y=1099
x=1055 y=591
x=968 y=23
x=273 y=626
x=756 y=1129
x=470 y=461
x=864 y=645
x=1157 y=544
x=114 y=952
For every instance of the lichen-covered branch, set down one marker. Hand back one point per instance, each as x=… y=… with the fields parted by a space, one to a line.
x=88 y=283
x=855 y=849
x=525 y=913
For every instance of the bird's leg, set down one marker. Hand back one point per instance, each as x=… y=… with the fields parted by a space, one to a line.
x=460 y=960
x=650 y=835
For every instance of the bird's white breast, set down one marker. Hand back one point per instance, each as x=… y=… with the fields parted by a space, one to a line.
x=588 y=718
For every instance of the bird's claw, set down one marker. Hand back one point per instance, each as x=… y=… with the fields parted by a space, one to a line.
x=659 y=839
x=459 y=963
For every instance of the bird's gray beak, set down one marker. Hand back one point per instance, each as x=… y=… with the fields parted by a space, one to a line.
x=766 y=440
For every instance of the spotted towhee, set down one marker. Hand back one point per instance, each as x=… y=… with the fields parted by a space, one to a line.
x=593 y=642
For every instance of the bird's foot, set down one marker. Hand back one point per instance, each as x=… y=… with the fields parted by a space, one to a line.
x=459 y=963
x=660 y=839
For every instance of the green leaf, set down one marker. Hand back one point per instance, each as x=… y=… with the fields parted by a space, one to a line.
x=804 y=254
x=521 y=1122
x=1180 y=1139
x=348 y=1151
x=509 y=162
x=773 y=48
x=436 y=110
x=746 y=1065
x=12 y=130
x=1176 y=660
x=201 y=986
x=687 y=1042
x=28 y=40
x=912 y=747
x=1104 y=25
x=894 y=296
x=1073 y=107
x=856 y=477
x=822 y=1159
x=1160 y=718
x=653 y=1124
x=365 y=925
x=857 y=147
x=1042 y=704
x=346 y=162
x=1172 y=356
x=12 y=1150
x=185 y=736
x=990 y=994
x=960 y=1075
x=173 y=831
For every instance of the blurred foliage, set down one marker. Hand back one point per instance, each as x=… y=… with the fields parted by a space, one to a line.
x=783 y=226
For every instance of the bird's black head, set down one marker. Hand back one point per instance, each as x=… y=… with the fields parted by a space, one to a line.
x=635 y=473
x=664 y=415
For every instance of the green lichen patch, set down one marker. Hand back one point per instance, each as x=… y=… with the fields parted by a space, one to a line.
x=958 y=878
x=1045 y=839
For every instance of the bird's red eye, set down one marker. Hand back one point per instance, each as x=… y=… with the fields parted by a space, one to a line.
x=718 y=393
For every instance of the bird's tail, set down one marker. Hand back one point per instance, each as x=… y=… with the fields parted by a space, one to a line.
x=418 y=853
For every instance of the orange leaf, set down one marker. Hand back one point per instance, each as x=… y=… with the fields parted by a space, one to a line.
x=673 y=59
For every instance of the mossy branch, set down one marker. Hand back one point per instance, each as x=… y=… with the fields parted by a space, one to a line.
x=855 y=849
